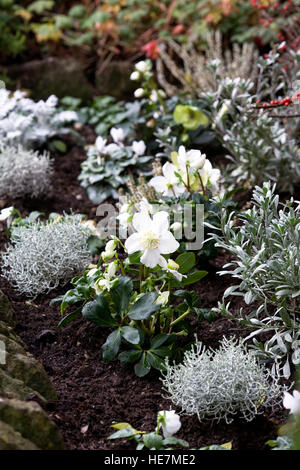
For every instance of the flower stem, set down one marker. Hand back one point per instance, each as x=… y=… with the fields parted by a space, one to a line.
x=179 y=319
x=202 y=185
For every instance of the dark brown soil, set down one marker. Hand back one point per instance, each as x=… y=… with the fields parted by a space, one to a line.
x=91 y=393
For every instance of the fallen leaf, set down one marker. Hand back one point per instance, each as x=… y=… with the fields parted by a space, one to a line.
x=84 y=429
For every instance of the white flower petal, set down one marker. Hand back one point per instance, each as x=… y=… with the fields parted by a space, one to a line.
x=142 y=221
x=151 y=258
x=168 y=171
x=168 y=243
x=161 y=222
x=159 y=183
x=133 y=244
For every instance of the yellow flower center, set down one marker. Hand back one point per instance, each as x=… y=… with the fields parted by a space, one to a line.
x=149 y=240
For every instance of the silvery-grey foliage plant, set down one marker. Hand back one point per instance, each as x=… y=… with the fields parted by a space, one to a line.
x=265 y=247
x=24 y=172
x=221 y=384
x=261 y=145
x=29 y=123
x=43 y=255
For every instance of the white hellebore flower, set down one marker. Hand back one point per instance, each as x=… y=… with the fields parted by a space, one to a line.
x=109 y=251
x=135 y=75
x=172 y=267
x=138 y=147
x=208 y=173
x=92 y=271
x=153 y=96
x=168 y=183
x=139 y=92
x=124 y=215
x=292 y=402
x=117 y=134
x=176 y=226
x=163 y=298
x=152 y=237
x=142 y=66
x=193 y=158
x=145 y=206
x=92 y=226
x=104 y=283
x=169 y=421
x=6 y=213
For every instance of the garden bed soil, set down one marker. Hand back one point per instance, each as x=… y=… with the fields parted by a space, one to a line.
x=92 y=394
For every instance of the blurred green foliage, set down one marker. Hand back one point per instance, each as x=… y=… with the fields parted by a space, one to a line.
x=112 y=27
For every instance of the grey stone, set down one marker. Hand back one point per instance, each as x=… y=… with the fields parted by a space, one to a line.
x=15 y=388
x=32 y=423
x=7 y=313
x=52 y=75
x=114 y=79
x=12 y=440
x=31 y=372
x=8 y=331
x=12 y=345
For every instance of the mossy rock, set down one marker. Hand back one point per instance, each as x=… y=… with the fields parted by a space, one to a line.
x=8 y=331
x=12 y=440
x=28 y=419
x=52 y=75
x=12 y=346
x=7 y=313
x=31 y=372
x=114 y=79
x=15 y=388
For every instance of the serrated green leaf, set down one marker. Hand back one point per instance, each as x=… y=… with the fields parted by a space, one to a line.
x=111 y=346
x=186 y=262
x=130 y=334
x=98 y=312
x=121 y=294
x=144 y=307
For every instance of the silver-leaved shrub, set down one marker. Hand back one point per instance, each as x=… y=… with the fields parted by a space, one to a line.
x=43 y=255
x=265 y=245
x=221 y=384
x=24 y=172
x=29 y=123
x=261 y=145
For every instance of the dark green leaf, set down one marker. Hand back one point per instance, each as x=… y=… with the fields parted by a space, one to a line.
x=111 y=346
x=94 y=244
x=70 y=297
x=68 y=318
x=131 y=356
x=142 y=367
x=186 y=262
x=155 y=361
x=159 y=340
x=194 y=277
x=130 y=334
x=144 y=307
x=98 y=312
x=60 y=146
x=121 y=293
